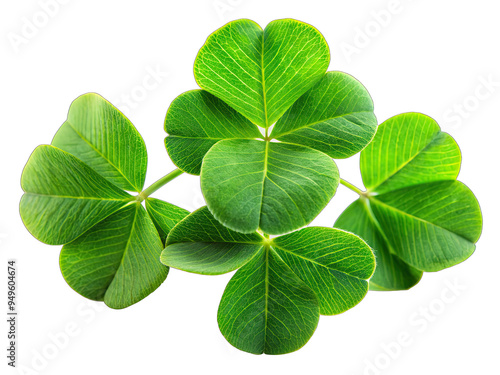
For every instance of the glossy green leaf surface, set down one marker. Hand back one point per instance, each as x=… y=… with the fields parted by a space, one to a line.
x=272 y=303
x=102 y=137
x=275 y=76
x=195 y=121
x=116 y=261
x=262 y=134
x=164 y=215
x=276 y=187
x=391 y=272
x=415 y=215
x=431 y=226
x=261 y=73
x=74 y=197
x=266 y=308
x=200 y=244
x=409 y=149
x=335 y=116
x=335 y=264
x=64 y=197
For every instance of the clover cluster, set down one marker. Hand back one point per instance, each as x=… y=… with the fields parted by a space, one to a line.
x=262 y=132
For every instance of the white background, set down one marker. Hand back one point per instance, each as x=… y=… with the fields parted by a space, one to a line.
x=428 y=56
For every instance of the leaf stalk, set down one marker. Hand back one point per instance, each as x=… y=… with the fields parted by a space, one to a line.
x=158 y=184
x=353 y=188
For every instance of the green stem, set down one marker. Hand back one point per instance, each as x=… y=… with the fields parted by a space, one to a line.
x=266 y=136
x=352 y=187
x=371 y=215
x=158 y=184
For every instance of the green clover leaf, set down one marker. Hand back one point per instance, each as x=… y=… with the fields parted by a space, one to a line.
x=334 y=263
x=278 y=182
x=277 y=187
x=262 y=133
x=261 y=73
x=116 y=261
x=103 y=138
x=64 y=197
x=335 y=117
x=200 y=244
x=273 y=302
x=266 y=308
x=73 y=197
x=392 y=273
x=415 y=215
x=195 y=121
x=164 y=216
